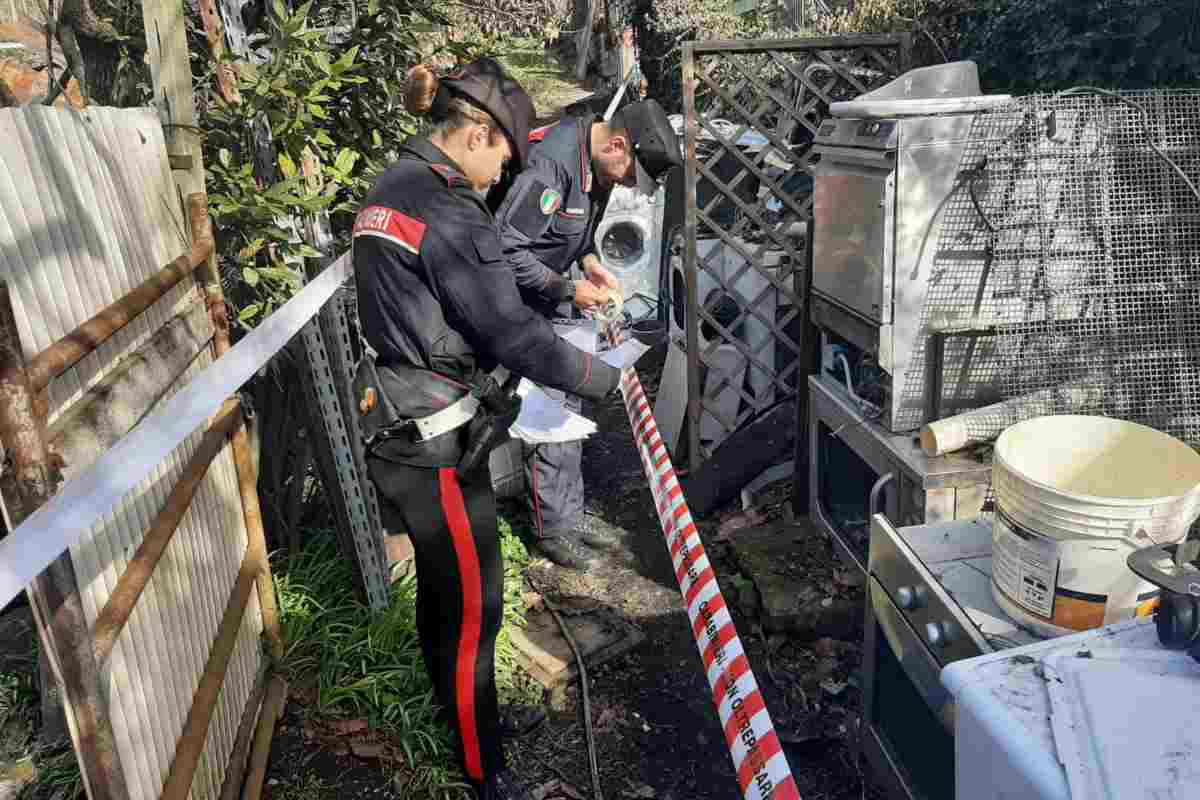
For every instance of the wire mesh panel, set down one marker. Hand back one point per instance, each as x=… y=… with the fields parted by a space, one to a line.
x=1070 y=257
x=752 y=109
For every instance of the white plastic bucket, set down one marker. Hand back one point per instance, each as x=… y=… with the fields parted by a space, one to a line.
x=1074 y=496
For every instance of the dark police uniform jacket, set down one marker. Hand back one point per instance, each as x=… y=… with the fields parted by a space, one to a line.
x=435 y=292
x=549 y=217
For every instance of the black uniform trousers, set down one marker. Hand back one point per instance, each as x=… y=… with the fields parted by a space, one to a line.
x=460 y=596
x=554 y=472
x=554 y=475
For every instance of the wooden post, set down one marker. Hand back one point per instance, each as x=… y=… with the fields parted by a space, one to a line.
x=54 y=595
x=174 y=97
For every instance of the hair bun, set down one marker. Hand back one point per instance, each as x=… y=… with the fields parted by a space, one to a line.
x=420 y=90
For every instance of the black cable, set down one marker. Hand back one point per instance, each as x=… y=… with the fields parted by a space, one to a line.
x=972 y=178
x=1082 y=90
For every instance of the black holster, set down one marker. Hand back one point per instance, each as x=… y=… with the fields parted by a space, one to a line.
x=499 y=407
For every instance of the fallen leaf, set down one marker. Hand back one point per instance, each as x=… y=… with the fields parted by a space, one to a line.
x=368 y=748
x=825 y=648
x=742 y=519
x=345 y=727
x=555 y=790
x=606 y=718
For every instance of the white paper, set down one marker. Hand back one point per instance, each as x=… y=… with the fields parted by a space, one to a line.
x=582 y=336
x=544 y=420
x=625 y=355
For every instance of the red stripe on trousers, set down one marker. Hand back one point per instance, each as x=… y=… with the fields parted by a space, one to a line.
x=455 y=509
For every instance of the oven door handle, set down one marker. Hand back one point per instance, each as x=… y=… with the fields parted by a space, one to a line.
x=877 y=493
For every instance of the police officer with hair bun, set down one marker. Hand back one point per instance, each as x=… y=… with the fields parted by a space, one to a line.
x=440 y=309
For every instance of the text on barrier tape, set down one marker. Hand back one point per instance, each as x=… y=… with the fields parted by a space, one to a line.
x=69 y=516
x=758 y=756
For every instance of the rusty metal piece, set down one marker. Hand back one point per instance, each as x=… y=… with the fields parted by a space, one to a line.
x=235 y=770
x=54 y=596
x=257 y=541
x=136 y=576
x=243 y=459
x=191 y=742
x=20 y=428
x=272 y=709
x=72 y=348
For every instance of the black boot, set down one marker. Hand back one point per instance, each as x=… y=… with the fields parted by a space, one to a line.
x=596 y=533
x=564 y=552
x=520 y=720
x=502 y=786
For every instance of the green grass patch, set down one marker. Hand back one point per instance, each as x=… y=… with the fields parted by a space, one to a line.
x=359 y=665
x=18 y=711
x=310 y=787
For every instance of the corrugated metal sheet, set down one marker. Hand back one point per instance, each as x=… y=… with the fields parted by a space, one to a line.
x=88 y=210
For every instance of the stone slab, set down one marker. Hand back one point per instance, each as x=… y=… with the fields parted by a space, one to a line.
x=779 y=558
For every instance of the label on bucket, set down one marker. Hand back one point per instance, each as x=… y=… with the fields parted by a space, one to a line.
x=1025 y=567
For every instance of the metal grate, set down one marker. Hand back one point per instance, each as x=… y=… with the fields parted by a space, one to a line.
x=752 y=109
x=1070 y=257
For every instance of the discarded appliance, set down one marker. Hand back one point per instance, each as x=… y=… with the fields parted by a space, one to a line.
x=858 y=468
x=629 y=242
x=725 y=289
x=951 y=672
x=884 y=166
x=1102 y=715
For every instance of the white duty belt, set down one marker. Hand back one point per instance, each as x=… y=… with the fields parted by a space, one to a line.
x=455 y=415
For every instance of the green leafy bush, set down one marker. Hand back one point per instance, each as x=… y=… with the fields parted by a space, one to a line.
x=1045 y=45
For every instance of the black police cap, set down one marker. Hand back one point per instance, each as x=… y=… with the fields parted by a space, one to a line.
x=655 y=144
x=485 y=84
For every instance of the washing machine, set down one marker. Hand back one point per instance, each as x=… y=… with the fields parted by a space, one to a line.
x=629 y=242
x=724 y=290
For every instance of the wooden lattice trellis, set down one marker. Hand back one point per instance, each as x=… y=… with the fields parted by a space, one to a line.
x=752 y=109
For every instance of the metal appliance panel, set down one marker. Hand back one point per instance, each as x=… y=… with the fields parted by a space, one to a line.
x=907 y=730
x=853 y=212
x=878 y=215
x=910 y=647
x=928 y=172
x=944 y=628
x=922 y=489
x=872 y=134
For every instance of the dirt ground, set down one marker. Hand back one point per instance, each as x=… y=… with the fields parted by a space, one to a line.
x=657 y=730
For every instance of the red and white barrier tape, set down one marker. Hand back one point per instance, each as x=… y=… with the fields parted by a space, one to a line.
x=758 y=756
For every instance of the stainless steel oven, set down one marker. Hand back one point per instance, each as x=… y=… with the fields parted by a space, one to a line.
x=884 y=168
x=929 y=604
x=855 y=459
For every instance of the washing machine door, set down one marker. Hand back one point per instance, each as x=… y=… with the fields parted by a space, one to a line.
x=629 y=244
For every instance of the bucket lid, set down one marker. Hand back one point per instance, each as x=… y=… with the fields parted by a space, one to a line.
x=1099 y=457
